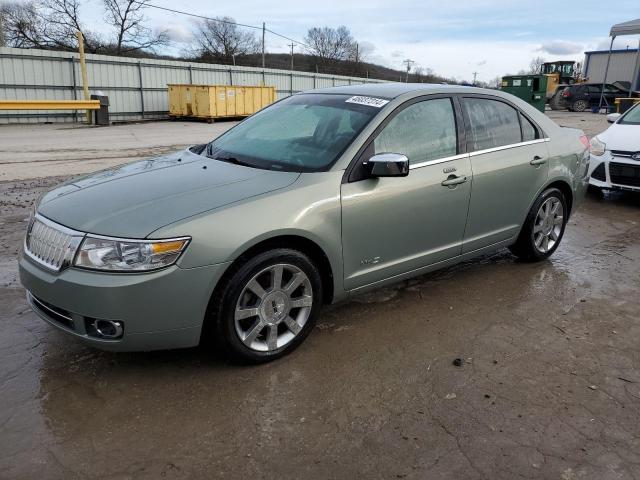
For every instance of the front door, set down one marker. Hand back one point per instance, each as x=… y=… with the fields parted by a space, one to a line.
x=510 y=165
x=392 y=226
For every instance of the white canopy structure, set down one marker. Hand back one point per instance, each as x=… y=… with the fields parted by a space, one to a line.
x=631 y=27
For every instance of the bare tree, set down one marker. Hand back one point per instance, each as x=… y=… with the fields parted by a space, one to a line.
x=45 y=24
x=331 y=44
x=131 y=33
x=20 y=25
x=222 y=40
x=535 y=66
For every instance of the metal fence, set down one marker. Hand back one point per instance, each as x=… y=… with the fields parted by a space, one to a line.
x=137 y=88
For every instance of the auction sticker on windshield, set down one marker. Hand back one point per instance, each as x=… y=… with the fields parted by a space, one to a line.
x=370 y=101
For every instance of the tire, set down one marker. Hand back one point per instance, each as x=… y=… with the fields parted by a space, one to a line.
x=531 y=245
x=579 y=106
x=556 y=102
x=251 y=305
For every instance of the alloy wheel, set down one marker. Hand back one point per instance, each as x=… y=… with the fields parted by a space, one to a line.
x=580 y=106
x=548 y=224
x=273 y=307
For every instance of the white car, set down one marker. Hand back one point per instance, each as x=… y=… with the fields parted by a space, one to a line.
x=615 y=153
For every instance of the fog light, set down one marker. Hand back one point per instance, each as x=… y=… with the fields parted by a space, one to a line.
x=107 y=329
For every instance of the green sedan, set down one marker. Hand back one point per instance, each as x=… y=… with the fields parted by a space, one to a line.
x=320 y=196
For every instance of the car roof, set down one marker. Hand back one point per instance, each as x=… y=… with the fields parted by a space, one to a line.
x=394 y=90
x=390 y=90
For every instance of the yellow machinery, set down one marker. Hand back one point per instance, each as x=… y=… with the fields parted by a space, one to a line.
x=559 y=75
x=217 y=101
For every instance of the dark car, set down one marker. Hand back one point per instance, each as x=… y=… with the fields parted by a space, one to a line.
x=581 y=97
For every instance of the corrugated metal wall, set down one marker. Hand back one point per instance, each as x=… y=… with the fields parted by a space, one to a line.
x=621 y=68
x=137 y=88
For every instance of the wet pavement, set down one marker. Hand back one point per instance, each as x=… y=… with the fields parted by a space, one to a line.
x=549 y=385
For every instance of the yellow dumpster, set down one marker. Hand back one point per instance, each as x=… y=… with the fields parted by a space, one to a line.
x=217 y=101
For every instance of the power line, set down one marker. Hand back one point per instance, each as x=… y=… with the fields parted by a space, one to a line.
x=195 y=15
x=287 y=38
x=255 y=27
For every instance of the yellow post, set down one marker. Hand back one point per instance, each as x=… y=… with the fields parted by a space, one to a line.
x=83 y=70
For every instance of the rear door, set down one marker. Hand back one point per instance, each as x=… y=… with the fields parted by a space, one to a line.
x=509 y=159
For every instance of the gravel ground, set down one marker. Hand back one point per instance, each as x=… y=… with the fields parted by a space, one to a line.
x=548 y=384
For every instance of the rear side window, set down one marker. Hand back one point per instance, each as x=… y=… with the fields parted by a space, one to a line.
x=423 y=131
x=529 y=131
x=492 y=123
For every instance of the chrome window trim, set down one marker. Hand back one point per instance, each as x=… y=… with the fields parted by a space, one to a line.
x=438 y=160
x=477 y=152
x=507 y=147
x=76 y=239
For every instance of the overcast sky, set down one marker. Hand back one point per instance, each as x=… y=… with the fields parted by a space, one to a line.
x=455 y=39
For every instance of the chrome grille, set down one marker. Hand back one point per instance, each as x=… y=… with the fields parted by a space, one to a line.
x=50 y=244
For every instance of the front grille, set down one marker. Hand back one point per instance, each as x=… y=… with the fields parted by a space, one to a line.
x=599 y=173
x=624 y=154
x=50 y=244
x=624 y=174
x=52 y=312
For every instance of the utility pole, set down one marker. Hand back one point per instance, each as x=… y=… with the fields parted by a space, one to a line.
x=408 y=62
x=291 y=45
x=475 y=74
x=263 y=31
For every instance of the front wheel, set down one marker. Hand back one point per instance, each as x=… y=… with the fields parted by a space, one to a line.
x=268 y=306
x=544 y=227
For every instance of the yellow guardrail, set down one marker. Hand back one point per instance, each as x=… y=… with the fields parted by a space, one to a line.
x=49 y=104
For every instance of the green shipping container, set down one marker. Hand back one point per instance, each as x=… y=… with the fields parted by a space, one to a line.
x=530 y=88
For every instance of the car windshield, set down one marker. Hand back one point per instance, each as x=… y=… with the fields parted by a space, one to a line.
x=303 y=133
x=632 y=117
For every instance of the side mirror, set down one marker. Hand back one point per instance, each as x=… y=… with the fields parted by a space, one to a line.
x=388 y=165
x=612 y=117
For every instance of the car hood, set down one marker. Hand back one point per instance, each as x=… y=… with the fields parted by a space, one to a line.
x=135 y=199
x=622 y=137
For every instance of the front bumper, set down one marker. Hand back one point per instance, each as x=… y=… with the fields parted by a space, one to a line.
x=159 y=310
x=614 y=172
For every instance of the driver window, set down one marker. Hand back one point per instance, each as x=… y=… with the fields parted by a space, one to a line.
x=422 y=131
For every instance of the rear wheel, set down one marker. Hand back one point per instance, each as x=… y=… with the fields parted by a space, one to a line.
x=268 y=306
x=556 y=102
x=544 y=227
x=579 y=105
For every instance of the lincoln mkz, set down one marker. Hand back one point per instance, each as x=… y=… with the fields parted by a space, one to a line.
x=320 y=196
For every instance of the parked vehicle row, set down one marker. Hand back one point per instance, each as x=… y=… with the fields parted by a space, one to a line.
x=585 y=96
x=317 y=197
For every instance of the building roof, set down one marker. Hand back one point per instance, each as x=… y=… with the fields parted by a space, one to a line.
x=618 y=50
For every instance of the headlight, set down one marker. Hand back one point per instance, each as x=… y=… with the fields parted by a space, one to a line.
x=597 y=147
x=113 y=254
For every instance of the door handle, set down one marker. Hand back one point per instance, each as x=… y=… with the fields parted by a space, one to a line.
x=452 y=181
x=538 y=161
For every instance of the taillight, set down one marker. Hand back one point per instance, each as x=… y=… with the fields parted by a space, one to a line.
x=585 y=141
x=566 y=94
